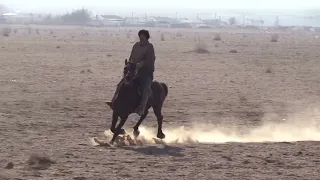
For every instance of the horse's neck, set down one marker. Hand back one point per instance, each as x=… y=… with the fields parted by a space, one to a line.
x=127 y=98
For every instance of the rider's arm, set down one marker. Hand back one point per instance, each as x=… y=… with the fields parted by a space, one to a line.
x=150 y=56
x=133 y=47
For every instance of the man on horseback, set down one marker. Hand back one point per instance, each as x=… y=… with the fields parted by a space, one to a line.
x=143 y=56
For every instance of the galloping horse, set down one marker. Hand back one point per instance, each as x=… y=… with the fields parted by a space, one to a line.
x=128 y=97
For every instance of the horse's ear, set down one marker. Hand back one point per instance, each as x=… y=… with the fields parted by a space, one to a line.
x=126 y=62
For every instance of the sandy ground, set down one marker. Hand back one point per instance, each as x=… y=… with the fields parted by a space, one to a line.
x=54 y=82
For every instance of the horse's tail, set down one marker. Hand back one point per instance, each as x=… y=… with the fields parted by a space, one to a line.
x=165 y=87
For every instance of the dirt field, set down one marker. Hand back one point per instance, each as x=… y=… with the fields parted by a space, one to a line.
x=54 y=82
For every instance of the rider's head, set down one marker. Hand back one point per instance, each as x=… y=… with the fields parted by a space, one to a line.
x=144 y=35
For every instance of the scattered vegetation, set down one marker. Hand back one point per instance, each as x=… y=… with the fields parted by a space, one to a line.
x=196 y=37
x=10 y=165
x=201 y=47
x=39 y=162
x=29 y=29
x=274 y=37
x=162 y=37
x=6 y=31
x=269 y=70
x=217 y=37
x=243 y=99
x=128 y=35
x=179 y=34
x=233 y=51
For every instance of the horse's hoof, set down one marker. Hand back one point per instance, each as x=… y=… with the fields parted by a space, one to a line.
x=136 y=133
x=112 y=130
x=110 y=144
x=161 y=135
x=122 y=132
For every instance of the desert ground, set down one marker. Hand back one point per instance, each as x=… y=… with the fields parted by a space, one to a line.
x=244 y=109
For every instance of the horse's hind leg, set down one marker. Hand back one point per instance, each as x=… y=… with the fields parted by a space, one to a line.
x=118 y=129
x=157 y=111
x=136 y=131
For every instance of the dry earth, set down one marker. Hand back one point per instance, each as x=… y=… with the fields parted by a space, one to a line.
x=54 y=82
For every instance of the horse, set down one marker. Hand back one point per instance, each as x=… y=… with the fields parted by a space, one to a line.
x=128 y=97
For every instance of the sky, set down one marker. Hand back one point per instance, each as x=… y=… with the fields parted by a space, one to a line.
x=199 y=4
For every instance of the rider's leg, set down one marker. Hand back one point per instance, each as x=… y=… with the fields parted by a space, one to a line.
x=114 y=96
x=145 y=83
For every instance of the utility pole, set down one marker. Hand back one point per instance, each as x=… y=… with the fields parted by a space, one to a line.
x=132 y=17
x=243 y=19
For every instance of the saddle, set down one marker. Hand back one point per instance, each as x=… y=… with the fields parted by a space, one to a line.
x=137 y=82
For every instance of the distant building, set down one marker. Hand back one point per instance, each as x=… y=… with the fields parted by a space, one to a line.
x=18 y=18
x=192 y=23
x=139 y=22
x=181 y=25
x=164 y=21
x=214 y=22
x=110 y=20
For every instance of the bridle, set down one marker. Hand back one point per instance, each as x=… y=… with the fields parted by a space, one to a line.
x=129 y=75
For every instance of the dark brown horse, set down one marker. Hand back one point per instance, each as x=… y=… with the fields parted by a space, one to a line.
x=128 y=97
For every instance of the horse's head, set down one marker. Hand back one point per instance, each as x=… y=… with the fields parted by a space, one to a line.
x=129 y=72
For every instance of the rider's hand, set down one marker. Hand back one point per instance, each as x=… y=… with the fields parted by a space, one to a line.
x=140 y=64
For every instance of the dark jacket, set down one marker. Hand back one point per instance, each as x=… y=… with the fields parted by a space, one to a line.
x=145 y=54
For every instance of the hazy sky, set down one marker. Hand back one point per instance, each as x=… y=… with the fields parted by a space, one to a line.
x=238 y=4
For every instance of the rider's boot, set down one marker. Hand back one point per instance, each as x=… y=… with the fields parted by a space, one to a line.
x=109 y=103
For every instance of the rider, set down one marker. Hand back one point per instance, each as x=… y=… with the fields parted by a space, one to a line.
x=143 y=55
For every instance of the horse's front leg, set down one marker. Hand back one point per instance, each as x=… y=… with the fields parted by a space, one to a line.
x=136 y=131
x=114 y=122
x=119 y=129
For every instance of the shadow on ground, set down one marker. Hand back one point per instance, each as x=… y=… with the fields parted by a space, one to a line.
x=156 y=150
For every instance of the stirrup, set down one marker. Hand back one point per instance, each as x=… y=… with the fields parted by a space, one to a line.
x=109 y=103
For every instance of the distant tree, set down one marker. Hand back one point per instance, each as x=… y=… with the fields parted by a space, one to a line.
x=80 y=16
x=3 y=9
x=49 y=19
x=232 y=21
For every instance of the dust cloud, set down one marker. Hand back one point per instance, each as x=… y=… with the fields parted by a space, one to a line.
x=298 y=127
